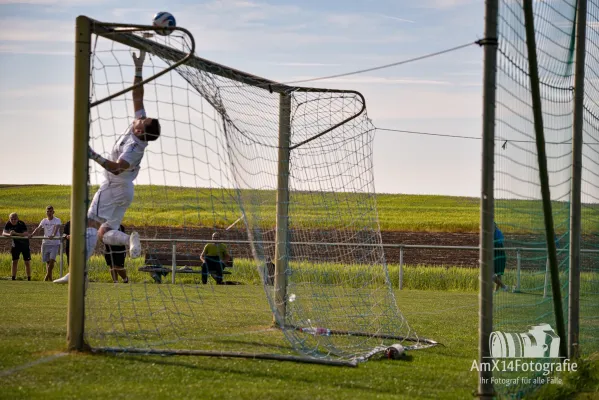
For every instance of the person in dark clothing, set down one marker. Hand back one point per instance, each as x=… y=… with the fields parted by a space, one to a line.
x=17 y=229
x=269 y=272
x=66 y=235
x=115 y=259
x=499 y=260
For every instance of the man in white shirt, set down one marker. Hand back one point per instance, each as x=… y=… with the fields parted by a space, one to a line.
x=50 y=246
x=115 y=194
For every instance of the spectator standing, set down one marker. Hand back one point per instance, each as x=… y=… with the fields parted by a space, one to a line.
x=17 y=229
x=50 y=245
x=66 y=235
x=269 y=272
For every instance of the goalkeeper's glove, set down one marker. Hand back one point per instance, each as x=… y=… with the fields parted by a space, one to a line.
x=139 y=63
x=95 y=156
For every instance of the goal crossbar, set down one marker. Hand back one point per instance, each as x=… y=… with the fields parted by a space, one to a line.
x=125 y=37
x=142 y=28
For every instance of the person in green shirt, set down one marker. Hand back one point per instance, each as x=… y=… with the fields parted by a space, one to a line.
x=214 y=257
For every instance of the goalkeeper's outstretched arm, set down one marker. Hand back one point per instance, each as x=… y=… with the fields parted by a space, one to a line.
x=110 y=166
x=138 y=92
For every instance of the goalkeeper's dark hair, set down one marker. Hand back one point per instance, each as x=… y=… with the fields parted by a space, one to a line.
x=152 y=130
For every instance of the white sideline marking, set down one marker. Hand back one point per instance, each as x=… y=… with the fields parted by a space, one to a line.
x=31 y=364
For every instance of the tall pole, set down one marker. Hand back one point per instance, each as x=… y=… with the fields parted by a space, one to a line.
x=487 y=201
x=282 y=235
x=575 y=201
x=75 y=319
x=537 y=110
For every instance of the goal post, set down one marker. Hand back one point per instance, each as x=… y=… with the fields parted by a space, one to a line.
x=282 y=223
x=84 y=27
x=75 y=324
x=285 y=169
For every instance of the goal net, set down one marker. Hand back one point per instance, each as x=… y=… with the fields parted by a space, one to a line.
x=297 y=213
x=528 y=304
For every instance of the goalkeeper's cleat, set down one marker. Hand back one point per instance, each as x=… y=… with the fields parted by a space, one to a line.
x=63 y=280
x=134 y=245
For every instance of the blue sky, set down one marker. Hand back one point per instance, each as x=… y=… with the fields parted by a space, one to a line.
x=280 y=40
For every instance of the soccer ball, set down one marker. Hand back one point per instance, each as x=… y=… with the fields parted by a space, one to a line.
x=164 y=19
x=395 y=352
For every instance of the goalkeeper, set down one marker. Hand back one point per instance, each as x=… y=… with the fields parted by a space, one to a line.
x=115 y=194
x=215 y=258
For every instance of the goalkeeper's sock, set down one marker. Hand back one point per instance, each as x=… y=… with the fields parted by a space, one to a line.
x=91 y=238
x=14 y=278
x=116 y=238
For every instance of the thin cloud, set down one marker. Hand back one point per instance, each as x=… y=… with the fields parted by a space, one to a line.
x=30 y=30
x=28 y=49
x=225 y=7
x=445 y=4
x=465 y=73
x=53 y=2
x=473 y=62
x=122 y=12
x=300 y=64
x=427 y=104
x=38 y=91
x=59 y=115
x=375 y=80
x=395 y=18
x=348 y=20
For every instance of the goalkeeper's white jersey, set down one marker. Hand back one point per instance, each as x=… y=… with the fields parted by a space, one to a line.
x=131 y=149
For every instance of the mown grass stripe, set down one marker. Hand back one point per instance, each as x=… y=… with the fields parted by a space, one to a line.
x=43 y=360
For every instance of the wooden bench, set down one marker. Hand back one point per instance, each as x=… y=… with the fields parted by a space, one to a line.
x=161 y=264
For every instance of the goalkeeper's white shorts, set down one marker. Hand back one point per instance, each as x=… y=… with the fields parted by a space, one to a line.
x=110 y=203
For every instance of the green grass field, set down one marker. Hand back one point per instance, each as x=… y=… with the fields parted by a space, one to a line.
x=33 y=329
x=33 y=363
x=439 y=303
x=417 y=277
x=397 y=212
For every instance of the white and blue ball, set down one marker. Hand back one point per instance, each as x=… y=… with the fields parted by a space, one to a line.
x=164 y=19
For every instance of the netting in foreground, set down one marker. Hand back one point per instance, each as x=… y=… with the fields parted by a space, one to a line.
x=518 y=207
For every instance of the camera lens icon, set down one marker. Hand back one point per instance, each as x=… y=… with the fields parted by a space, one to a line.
x=540 y=341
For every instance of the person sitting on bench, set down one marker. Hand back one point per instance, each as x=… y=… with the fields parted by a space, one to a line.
x=214 y=257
